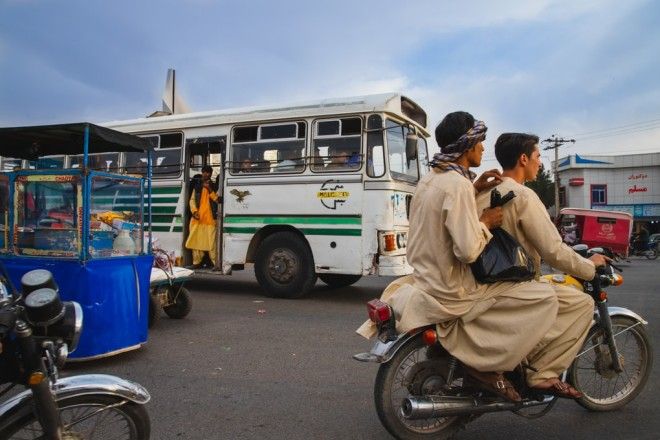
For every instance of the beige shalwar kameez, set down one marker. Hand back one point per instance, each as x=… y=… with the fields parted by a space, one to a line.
x=526 y=219
x=490 y=327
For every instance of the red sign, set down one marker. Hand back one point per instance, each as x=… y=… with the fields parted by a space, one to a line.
x=576 y=181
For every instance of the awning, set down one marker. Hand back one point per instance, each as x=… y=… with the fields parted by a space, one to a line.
x=49 y=140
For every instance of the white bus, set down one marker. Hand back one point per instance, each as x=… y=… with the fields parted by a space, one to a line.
x=314 y=190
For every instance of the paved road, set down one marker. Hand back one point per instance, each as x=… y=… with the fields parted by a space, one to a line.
x=242 y=366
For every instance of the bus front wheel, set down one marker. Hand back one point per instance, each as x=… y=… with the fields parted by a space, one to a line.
x=336 y=280
x=284 y=266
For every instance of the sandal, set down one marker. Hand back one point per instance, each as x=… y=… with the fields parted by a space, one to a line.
x=495 y=383
x=559 y=389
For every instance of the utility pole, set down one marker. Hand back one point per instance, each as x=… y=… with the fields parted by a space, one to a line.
x=556 y=143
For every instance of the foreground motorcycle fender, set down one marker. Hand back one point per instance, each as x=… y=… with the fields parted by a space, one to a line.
x=73 y=386
x=622 y=311
x=383 y=352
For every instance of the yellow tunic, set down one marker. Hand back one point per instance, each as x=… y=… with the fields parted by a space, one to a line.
x=202 y=236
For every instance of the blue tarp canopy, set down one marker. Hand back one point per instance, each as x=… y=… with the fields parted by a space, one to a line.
x=49 y=140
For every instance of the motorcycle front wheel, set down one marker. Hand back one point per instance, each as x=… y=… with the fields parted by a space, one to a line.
x=88 y=417
x=415 y=369
x=591 y=372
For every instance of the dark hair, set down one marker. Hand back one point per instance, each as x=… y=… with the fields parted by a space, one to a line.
x=207 y=169
x=452 y=127
x=510 y=146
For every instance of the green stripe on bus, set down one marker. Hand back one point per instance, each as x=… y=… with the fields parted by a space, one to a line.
x=165 y=190
x=162 y=218
x=160 y=228
x=161 y=209
x=268 y=220
x=164 y=199
x=306 y=231
x=177 y=229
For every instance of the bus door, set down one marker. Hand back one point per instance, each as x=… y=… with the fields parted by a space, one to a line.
x=203 y=151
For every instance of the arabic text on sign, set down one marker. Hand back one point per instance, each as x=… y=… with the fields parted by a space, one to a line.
x=636 y=188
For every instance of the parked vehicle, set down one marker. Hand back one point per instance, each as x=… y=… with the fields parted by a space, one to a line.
x=643 y=248
x=166 y=288
x=420 y=390
x=598 y=228
x=37 y=331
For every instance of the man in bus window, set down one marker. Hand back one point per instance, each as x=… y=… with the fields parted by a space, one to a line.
x=203 y=207
x=339 y=160
x=490 y=328
x=246 y=166
x=290 y=161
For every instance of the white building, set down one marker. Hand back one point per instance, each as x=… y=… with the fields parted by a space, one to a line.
x=629 y=183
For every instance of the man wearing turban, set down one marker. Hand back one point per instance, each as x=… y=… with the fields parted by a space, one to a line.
x=490 y=328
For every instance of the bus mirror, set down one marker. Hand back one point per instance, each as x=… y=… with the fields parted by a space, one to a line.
x=411 y=146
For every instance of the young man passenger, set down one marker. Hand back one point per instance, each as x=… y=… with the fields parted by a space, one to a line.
x=489 y=327
x=526 y=219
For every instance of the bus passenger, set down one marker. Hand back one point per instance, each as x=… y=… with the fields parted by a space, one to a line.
x=204 y=207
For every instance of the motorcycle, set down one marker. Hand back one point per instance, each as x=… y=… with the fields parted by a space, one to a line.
x=37 y=332
x=648 y=249
x=421 y=392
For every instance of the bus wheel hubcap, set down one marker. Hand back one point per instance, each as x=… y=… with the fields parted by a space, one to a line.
x=282 y=265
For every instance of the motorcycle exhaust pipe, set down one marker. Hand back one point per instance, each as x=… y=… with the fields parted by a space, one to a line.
x=427 y=407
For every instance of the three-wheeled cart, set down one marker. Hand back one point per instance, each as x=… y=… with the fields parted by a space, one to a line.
x=83 y=224
x=598 y=228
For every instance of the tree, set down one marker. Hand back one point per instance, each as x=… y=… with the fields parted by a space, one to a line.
x=544 y=187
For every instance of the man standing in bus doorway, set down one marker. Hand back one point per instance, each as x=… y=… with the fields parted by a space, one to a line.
x=490 y=328
x=204 y=207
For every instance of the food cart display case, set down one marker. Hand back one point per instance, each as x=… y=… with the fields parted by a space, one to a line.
x=84 y=225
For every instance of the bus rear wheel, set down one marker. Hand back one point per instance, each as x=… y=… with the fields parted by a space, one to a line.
x=336 y=280
x=284 y=266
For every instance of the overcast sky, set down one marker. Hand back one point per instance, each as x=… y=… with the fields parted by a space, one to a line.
x=584 y=69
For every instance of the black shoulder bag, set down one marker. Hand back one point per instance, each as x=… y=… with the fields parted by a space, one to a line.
x=503 y=258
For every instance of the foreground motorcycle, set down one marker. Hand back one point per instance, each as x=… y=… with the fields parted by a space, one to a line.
x=37 y=331
x=420 y=391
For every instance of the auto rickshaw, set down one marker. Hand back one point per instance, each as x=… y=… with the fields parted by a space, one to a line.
x=609 y=230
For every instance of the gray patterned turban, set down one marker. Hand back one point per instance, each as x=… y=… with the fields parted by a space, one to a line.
x=451 y=152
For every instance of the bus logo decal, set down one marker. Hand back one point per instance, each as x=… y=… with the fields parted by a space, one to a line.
x=332 y=194
x=240 y=195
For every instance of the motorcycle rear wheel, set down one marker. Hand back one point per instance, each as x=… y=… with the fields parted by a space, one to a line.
x=393 y=383
x=604 y=389
x=90 y=417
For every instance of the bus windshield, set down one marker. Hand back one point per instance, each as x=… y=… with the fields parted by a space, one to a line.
x=400 y=168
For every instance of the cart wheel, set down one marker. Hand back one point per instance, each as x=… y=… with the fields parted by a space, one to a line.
x=153 y=310
x=181 y=302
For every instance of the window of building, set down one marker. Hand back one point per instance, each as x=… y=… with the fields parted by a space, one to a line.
x=269 y=148
x=337 y=145
x=563 y=202
x=599 y=194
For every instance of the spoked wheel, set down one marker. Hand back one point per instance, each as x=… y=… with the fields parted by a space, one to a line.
x=416 y=369
x=90 y=417
x=604 y=389
x=180 y=302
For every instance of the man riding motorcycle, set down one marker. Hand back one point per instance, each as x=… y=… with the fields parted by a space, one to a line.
x=489 y=327
x=526 y=219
